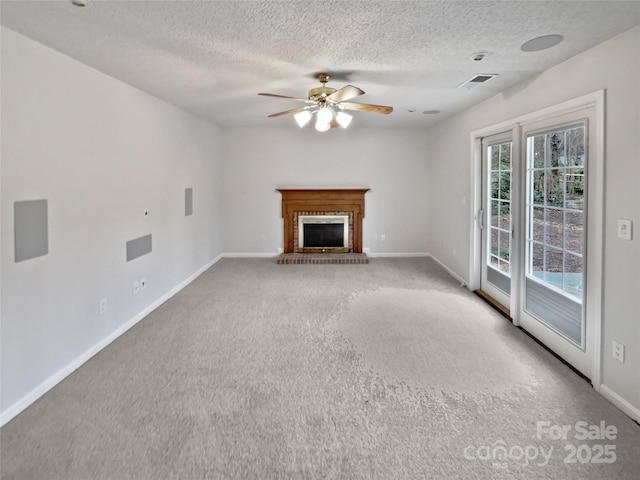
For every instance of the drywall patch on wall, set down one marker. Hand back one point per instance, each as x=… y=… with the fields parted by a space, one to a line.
x=31 y=229
x=138 y=247
x=188 y=202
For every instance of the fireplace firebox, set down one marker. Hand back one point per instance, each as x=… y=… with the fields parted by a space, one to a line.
x=323 y=233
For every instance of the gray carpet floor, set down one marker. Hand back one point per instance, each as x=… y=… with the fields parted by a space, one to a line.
x=389 y=370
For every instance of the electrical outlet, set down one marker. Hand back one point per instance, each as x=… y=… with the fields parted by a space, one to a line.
x=103 y=306
x=383 y=237
x=143 y=283
x=136 y=287
x=618 y=351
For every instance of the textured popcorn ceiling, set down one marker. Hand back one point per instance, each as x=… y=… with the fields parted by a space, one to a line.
x=213 y=57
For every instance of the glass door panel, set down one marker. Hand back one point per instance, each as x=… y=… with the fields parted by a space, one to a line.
x=555 y=230
x=496 y=218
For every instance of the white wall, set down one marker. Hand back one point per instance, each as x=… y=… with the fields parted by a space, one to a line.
x=615 y=66
x=391 y=162
x=100 y=152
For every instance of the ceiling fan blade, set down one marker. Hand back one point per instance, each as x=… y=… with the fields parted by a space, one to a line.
x=365 y=107
x=284 y=96
x=345 y=93
x=286 y=112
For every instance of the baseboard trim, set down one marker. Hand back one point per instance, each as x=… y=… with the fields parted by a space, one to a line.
x=462 y=281
x=249 y=255
x=19 y=406
x=394 y=255
x=620 y=402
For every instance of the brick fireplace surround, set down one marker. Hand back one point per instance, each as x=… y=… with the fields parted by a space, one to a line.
x=349 y=202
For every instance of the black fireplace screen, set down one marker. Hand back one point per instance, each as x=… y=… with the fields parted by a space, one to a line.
x=323 y=235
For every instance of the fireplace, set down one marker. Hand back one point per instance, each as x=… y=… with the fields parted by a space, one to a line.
x=331 y=215
x=323 y=233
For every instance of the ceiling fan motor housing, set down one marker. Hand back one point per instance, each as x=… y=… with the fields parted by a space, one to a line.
x=320 y=93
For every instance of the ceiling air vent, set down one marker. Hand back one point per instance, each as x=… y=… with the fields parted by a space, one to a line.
x=478 y=80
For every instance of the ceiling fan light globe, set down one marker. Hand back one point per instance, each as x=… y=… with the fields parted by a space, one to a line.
x=302 y=118
x=325 y=114
x=322 y=126
x=344 y=119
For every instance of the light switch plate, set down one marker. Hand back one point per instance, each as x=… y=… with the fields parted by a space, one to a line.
x=624 y=229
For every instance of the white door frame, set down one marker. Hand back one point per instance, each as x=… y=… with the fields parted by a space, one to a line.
x=595 y=209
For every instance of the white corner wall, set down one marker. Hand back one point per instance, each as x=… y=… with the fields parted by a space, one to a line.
x=100 y=152
x=391 y=162
x=614 y=66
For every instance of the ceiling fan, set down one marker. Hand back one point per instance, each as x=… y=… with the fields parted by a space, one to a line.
x=328 y=105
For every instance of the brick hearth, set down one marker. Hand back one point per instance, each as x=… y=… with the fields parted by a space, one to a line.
x=322 y=258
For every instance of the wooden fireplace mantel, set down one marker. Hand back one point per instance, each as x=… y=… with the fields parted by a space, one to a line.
x=334 y=200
